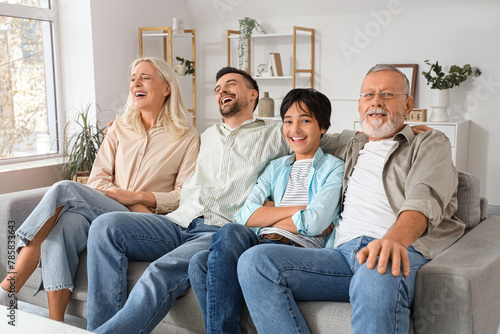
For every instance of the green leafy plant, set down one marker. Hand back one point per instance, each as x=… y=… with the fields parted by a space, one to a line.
x=247 y=26
x=82 y=146
x=189 y=65
x=456 y=75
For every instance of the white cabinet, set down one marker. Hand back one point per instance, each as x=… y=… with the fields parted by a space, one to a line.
x=457 y=133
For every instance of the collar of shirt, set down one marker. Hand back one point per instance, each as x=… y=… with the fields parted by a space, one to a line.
x=317 y=157
x=228 y=129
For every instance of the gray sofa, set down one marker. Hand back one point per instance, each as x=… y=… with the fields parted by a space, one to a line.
x=457 y=292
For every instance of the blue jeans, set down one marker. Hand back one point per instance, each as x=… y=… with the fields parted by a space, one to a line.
x=117 y=237
x=214 y=278
x=272 y=280
x=59 y=251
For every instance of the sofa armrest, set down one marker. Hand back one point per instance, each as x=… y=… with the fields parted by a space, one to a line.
x=458 y=291
x=14 y=209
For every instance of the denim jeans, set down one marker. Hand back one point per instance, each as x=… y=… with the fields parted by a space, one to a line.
x=214 y=278
x=115 y=238
x=272 y=280
x=59 y=251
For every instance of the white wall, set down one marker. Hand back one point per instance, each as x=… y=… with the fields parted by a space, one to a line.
x=115 y=33
x=97 y=54
x=453 y=32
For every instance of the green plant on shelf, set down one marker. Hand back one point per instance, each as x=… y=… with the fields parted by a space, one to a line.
x=188 y=63
x=247 y=26
x=456 y=75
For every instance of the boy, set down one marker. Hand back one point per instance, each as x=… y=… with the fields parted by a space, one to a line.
x=296 y=202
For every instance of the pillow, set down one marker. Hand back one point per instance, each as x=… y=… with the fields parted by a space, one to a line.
x=469 y=208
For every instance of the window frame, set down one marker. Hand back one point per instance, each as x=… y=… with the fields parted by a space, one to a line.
x=52 y=78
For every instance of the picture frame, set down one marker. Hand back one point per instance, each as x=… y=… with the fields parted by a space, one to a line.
x=411 y=72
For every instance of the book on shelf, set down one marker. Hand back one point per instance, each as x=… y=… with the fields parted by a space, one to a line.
x=276 y=65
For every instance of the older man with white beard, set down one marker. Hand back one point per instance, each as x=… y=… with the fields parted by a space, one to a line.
x=398 y=213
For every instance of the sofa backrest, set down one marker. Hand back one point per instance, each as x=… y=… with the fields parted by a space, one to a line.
x=471 y=207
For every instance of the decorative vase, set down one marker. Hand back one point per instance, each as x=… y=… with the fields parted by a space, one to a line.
x=181 y=70
x=266 y=106
x=440 y=101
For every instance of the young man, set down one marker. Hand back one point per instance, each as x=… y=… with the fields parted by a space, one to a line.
x=398 y=204
x=232 y=155
x=294 y=202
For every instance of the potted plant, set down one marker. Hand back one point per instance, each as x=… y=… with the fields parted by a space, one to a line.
x=247 y=26
x=82 y=146
x=185 y=67
x=441 y=83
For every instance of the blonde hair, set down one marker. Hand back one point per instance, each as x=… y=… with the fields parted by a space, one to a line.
x=174 y=115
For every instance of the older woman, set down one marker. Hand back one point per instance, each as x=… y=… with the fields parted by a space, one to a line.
x=145 y=158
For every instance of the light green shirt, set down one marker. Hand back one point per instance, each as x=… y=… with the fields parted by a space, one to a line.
x=229 y=163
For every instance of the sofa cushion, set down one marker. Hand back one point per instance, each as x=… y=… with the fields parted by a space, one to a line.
x=469 y=208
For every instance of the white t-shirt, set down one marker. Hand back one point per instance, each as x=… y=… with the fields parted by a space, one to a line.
x=366 y=208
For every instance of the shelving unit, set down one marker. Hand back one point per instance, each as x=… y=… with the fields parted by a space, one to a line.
x=234 y=34
x=295 y=74
x=168 y=37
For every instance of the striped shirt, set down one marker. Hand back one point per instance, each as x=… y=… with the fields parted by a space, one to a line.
x=229 y=163
x=296 y=188
x=296 y=193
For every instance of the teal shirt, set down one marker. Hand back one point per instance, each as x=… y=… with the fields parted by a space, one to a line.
x=324 y=192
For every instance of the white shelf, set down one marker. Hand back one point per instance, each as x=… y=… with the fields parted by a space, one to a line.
x=164 y=34
x=288 y=77
x=299 y=32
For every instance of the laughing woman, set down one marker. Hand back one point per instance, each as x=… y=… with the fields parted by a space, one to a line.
x=147 y=154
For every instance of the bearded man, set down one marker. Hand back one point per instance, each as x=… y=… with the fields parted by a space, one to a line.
x=399 y=200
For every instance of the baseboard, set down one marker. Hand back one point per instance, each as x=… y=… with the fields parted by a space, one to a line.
x=494 y=210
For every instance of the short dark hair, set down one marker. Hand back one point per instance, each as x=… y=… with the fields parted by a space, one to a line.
x=318 y=104
x=251 y=83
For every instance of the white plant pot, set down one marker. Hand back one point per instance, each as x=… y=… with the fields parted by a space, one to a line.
x=181 y=70
x=440 y=101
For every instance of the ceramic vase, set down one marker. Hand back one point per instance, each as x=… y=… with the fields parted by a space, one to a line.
x=181 y=70
x=440 y=101
x=266 y=106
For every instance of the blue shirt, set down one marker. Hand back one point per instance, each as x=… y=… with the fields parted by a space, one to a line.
x=324 y=191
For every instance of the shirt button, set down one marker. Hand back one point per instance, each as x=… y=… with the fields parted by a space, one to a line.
x=206 y=210
x=211 y=197
x=227 y=149
x=220 y=185
x=223 y=167
x=232 y=133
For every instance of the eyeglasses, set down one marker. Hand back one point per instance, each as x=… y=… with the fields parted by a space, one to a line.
x=384 y=95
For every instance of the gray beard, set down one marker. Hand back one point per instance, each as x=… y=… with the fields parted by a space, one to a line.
x=378 y=129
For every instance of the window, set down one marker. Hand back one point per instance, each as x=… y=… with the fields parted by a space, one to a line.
x=28 y=119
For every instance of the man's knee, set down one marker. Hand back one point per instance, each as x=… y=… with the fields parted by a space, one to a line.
x=247 y=269
x=231 y=231
x=372 y=287
x=235 y=237
x=105 y=226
